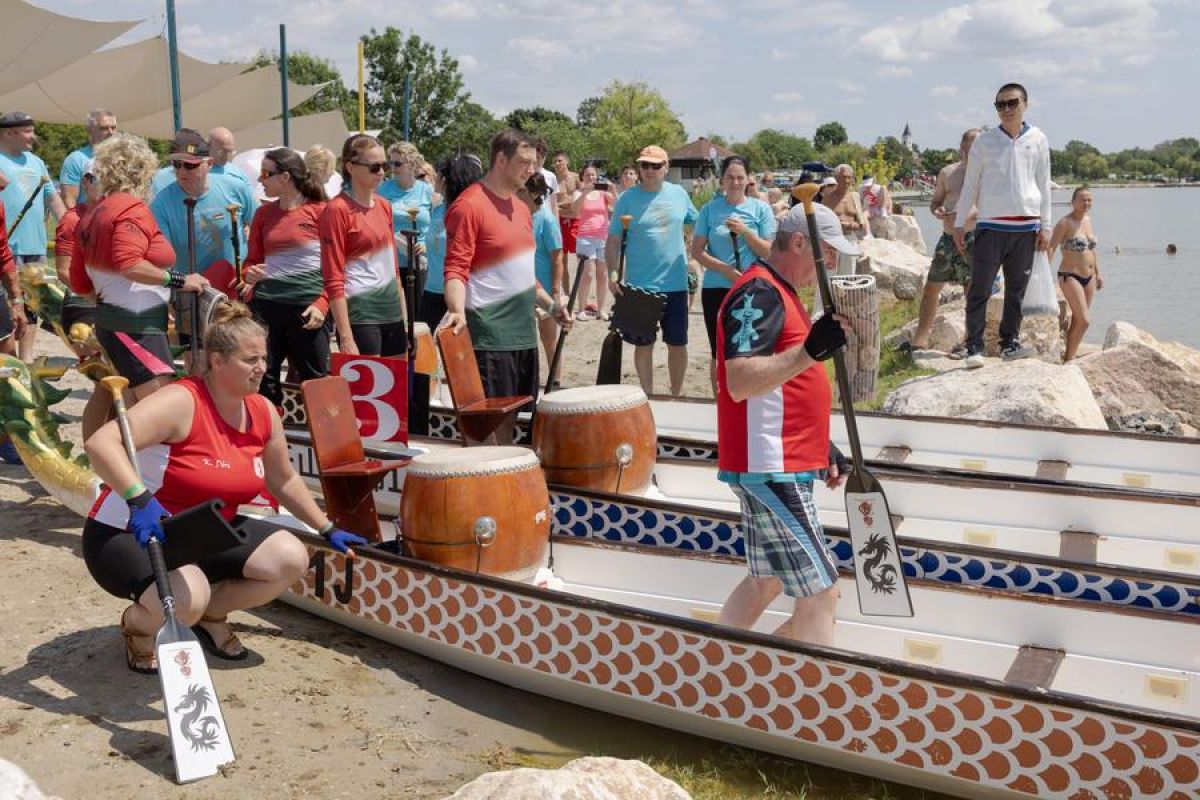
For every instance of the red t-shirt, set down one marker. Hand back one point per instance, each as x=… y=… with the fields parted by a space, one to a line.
x=116 y=233
x=8 y=264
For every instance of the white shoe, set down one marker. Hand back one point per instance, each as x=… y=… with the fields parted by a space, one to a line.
x=974 y=361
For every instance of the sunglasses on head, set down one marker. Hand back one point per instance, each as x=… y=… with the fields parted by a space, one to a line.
x=1008 y=105
x=188 y=165
x=374 y=169
x=650 y=164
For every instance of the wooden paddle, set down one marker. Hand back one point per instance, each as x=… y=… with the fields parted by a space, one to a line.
x=42 y=181
x=562 y=334
x=882 y=588
x=194 y=333
x=235 y=237
x=609 y=370
x=199 y=739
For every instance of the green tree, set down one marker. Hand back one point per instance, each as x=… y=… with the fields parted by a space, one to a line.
x=585 y=115
x=831 y=134
x=845 y=153
x=933 y=161
x=1061 y=164
x=630 y=116
x=899 y=157
x=55 y=141
x=1140 y=167
x=437 y=86
x=471 y=130
x=718 y=139
x=527 y=119
x=752 y=152
x=558 y=129
x=1187 y=167
x=1091 y=166
x=308 y=69
x=780 y=150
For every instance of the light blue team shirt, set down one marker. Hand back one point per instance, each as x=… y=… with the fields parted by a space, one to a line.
x=547 y=235
x=758 y=218
x=212 y=220
x=73 y=165
x=655 y=258
x=229 y=170
x=435 y=252
x=23 y=173
x=162 y=179
x=420 y=196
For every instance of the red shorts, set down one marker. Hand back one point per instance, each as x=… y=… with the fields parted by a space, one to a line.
x=568 y=228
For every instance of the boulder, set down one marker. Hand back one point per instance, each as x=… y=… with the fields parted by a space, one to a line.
x=593 y=778
x=1123 y=333
x=1027 y=391
x=901 y=228
x=896 y=266
x=1138 y=380
x=948 y=330
x=16 y=785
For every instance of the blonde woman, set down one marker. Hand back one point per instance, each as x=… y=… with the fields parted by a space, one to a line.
x=404 y=191
x=322 y=163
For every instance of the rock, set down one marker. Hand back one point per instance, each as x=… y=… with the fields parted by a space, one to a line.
x=1123 y=333
x=1144 y=377
x=901 y=228
x=949 y=328
x=16 y=785
x=1027 y=391
x=594 y=778
x=1038 y=331
x=895 y=265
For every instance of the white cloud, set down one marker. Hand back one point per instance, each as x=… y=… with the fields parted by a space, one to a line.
x=781 y=55
x=917 y=41
x=787 y=97
x=893 y=71
x=849 y=87
x=455 y=11
x=944 y=91
x=534 y=48
x=788 y=119
x=468 y=63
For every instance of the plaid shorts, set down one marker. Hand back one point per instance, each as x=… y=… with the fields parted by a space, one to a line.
x=784 y=538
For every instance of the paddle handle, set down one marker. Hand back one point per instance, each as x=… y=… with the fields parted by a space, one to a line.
x=562 y=332
x=805 y=194
x=235 y=237
x=625 y=220
x=42 y=181
x=737 y=253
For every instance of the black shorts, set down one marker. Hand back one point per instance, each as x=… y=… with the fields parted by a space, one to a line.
x=385 y=339
x=140 y=357
x=508 y=373
x=433 y=308
x=73 y=314
x=710 y=300
x=121 y=567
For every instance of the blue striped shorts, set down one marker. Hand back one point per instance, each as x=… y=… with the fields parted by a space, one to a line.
x=784 y=538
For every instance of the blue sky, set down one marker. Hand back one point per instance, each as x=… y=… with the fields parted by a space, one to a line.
x=1116 y=73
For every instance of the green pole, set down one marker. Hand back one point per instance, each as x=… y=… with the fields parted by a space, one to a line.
x=173 y=61
x=283 y=81
x=407 y=107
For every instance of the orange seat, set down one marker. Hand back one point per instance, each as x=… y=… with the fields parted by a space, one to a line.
x=348 y=478
x=478 y=416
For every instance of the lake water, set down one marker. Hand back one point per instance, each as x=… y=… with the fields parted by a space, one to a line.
x=1142 y=284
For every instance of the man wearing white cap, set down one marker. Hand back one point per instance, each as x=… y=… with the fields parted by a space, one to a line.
x=773 y=405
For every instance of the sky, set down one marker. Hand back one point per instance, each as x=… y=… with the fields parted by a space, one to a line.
x=1115 y=73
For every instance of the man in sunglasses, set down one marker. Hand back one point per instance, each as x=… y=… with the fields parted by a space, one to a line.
x=192 y=166
x=655 y=259
x=1008 y=182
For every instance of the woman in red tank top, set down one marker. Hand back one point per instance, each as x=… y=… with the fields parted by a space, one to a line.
x=206 y=436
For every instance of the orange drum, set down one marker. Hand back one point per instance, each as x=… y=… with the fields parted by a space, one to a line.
x=426 y=359
x=481 y=509
x=597 y=437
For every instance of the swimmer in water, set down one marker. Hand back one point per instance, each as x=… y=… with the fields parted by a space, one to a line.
x=1171 y=249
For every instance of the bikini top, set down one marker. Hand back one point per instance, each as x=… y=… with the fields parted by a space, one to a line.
x=1078 y=244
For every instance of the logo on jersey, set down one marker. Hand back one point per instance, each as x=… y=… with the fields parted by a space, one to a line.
x=747 y=315
x=259 y=470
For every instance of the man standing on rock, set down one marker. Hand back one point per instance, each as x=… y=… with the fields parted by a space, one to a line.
x=1008 y=182
x=949 y=264
x=843 y=200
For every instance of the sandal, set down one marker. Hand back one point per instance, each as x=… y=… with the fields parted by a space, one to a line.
x=230 y=648
x=140 y=660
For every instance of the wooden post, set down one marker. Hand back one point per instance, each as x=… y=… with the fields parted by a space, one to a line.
x=856 y=299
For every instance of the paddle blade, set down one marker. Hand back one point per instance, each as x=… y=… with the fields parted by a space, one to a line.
x=609 y=370
x=199 y=739
x=879 y=576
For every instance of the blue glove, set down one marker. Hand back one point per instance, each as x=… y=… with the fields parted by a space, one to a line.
x=145 y=518
x=343 y=540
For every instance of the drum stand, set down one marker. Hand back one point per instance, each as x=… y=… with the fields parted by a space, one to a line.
x=418 y=383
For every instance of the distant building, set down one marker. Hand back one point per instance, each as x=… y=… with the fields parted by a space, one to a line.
x=906 y=138
x=693 y=163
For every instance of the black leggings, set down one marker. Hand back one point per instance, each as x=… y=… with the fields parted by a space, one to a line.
x=433 y=308
x=710 y=300
x=306 y=351
x=385 y=339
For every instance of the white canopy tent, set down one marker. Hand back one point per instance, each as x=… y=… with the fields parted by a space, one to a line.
x=327 y=128
x=35 y=42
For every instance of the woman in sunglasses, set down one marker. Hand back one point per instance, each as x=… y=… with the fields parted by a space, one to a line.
x=358 y=256
x=404 y=191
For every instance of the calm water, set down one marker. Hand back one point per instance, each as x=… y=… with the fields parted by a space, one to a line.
x=1142 y=284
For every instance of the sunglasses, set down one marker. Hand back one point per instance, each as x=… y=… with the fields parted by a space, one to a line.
x=650 y=165
x=397 y=164
x=1008 y=105
x=374 y=169
x=188 y=165
x=264 y=174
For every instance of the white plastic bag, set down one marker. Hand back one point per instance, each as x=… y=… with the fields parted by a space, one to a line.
x=1040 y=297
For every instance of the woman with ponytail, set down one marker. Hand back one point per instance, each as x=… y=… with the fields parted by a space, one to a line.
x=454 y=174
x=283 y=270
x=203 y=437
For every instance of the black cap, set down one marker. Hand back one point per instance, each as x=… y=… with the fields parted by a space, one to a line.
x=15 y=119
x=188 y=144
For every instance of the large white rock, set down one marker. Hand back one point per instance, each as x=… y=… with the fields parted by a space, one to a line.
x=16 y=785
x=595 y=778
x=895 y=265
x=1027 y=391
x=1123 y=333
x=901 y=228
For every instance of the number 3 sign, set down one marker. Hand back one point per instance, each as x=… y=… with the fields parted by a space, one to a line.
x=379 y=388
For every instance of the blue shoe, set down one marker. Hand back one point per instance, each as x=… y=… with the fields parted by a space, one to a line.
x=9 y=454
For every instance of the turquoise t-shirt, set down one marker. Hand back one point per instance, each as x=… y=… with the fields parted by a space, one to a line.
x=419 y=196
x=229 y=170
x=754 y=212
x=212 y=220
x=73 y=165
x=162 y=179
x=547 y=235
x=23 y=173
x=435 y=253
x=655 y=258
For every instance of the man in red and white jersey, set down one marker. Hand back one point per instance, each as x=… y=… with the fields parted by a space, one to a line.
x=773 y=403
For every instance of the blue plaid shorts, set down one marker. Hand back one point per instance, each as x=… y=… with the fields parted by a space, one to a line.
x=784 y=538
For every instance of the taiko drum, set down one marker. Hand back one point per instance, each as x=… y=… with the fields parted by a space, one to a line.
x=480 y=509
x=596 y=437
x=425 y=361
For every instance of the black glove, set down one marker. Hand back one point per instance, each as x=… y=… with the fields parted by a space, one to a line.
x=825 y=338
x=838 y=459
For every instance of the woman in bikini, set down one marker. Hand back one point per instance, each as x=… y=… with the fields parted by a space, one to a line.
x=1079 y=272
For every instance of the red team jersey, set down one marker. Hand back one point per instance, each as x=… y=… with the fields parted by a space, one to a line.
x=785 y=430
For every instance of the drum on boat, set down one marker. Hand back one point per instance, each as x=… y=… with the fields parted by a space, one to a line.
x=482 y=509
x=596 y=437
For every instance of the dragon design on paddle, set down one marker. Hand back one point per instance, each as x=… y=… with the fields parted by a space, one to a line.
x=881 y=577
x=201 y=731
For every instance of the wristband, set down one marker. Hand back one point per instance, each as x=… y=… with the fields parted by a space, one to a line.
x=133 y=491
x=140 y=500
x=326 y=529
x=174 y=280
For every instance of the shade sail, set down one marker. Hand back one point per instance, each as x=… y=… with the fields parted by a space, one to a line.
x=103 y=79
x=327 y=128
x=35 y=42
x=242 y=102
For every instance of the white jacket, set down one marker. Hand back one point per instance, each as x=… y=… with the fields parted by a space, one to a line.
x=1007 y=177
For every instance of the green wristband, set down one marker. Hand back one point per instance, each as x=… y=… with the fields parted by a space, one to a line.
x=133 y=491
x=325 y=529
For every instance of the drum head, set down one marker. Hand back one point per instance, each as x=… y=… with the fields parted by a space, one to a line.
x=592 y=399
x=469 y=462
